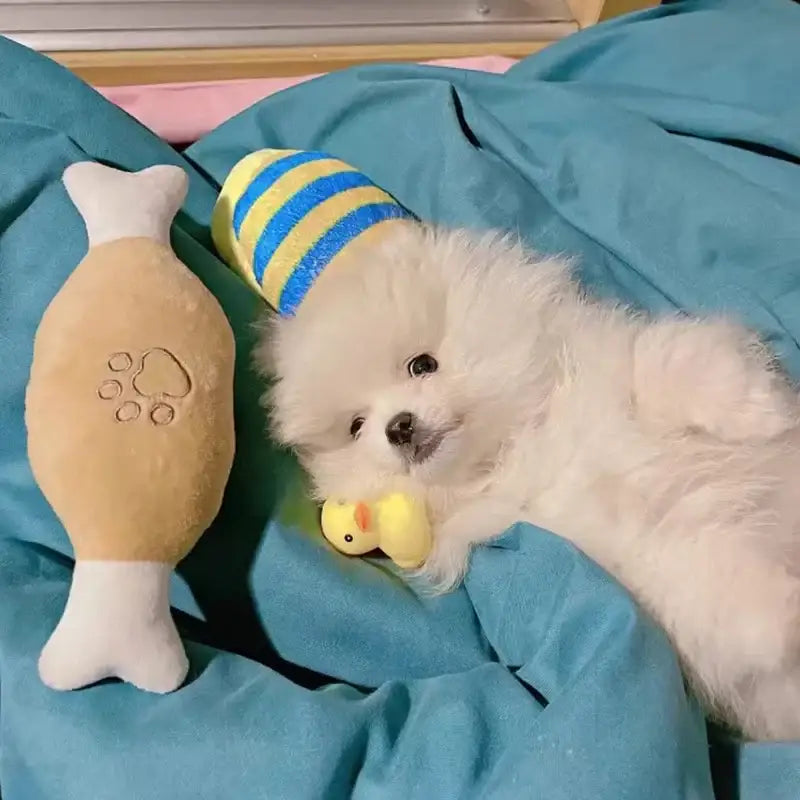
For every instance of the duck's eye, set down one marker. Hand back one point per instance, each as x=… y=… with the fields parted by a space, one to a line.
x=355 y=426
x=423 y=364
x=348 y=537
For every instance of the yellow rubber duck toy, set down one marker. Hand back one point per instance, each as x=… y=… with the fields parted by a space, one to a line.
x=397 y=524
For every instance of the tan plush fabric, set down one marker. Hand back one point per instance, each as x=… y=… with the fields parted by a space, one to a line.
x=129 y=406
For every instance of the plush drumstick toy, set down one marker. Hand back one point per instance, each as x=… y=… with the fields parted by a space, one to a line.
x=129 y=411
x=283 y=218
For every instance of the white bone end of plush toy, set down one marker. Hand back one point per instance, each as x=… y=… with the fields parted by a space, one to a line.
x=116 y=624
x=117 y=205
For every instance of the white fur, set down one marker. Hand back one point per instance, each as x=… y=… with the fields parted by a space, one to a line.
x=666 y=449
x=116 y=623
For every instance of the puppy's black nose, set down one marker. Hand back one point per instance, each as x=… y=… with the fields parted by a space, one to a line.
x=400 y=429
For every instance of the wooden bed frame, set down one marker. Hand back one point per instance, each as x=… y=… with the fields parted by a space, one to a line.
x=146 y=66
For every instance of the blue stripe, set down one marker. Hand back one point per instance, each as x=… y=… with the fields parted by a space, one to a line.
x=329 y=245
x=295 y=208
x=265 y=179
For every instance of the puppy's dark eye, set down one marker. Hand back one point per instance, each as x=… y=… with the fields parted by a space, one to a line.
x=355 y=426
x=423 y=364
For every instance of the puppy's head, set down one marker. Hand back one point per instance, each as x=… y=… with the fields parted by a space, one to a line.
x=415 y=366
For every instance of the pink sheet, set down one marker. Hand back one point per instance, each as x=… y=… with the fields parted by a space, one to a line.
x=183 y=112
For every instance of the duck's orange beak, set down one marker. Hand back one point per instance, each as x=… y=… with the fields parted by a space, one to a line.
x=362 y=517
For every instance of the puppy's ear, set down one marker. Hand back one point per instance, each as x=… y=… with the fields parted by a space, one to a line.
x=264 y=353
x=286 y=416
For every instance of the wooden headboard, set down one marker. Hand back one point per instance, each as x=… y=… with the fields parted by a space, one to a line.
x=131 y=42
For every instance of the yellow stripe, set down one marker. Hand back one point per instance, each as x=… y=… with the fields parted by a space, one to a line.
x=222 y=230
x=247 y=168
x=239 y=178
x=314 y=225
x=285 y=187
x=239 y=252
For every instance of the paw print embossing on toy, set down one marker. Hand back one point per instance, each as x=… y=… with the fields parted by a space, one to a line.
x=148 y=387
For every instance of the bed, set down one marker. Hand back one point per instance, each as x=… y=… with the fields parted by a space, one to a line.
x=184 y=67
x=153 y=41
x=662 y=150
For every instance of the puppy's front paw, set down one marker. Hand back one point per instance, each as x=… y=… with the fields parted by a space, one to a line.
x=447 y=563
x=479 y=521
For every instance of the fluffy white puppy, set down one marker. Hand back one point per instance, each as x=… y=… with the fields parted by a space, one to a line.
x=666 y=449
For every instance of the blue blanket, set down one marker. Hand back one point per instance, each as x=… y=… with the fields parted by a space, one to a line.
x=663 y=149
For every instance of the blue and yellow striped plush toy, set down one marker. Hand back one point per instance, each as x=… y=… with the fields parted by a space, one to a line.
x=283 y=216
